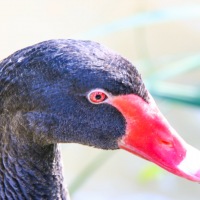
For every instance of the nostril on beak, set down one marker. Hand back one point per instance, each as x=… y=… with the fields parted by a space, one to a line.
x=166 y=143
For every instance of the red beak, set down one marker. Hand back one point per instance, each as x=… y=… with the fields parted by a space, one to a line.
x=150 y=136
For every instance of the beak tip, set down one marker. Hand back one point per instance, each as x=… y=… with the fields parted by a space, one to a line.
x=190 y=165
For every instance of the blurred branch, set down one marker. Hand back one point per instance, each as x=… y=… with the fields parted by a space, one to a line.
x=159 y=87
x=176 y=92
x=176 y=68
x=87 y=171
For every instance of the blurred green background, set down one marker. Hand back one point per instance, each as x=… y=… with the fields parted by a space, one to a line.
x=162 y=38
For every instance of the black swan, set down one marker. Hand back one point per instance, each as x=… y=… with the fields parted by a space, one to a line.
x=73 y=91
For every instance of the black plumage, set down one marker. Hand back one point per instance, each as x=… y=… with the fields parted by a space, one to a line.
x=43 y=101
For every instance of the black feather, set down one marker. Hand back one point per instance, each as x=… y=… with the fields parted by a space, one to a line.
x=43 y=102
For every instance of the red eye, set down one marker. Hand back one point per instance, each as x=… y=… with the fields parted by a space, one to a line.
x=97 y=96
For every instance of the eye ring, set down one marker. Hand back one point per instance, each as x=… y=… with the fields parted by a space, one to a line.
x=97 y=96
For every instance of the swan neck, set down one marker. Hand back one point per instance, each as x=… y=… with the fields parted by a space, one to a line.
x=29 y=170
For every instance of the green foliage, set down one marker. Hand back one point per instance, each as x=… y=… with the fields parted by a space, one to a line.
x=150 y=172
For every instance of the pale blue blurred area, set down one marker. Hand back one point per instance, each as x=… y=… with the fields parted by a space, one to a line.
x=143 y=19
x=162 y=39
